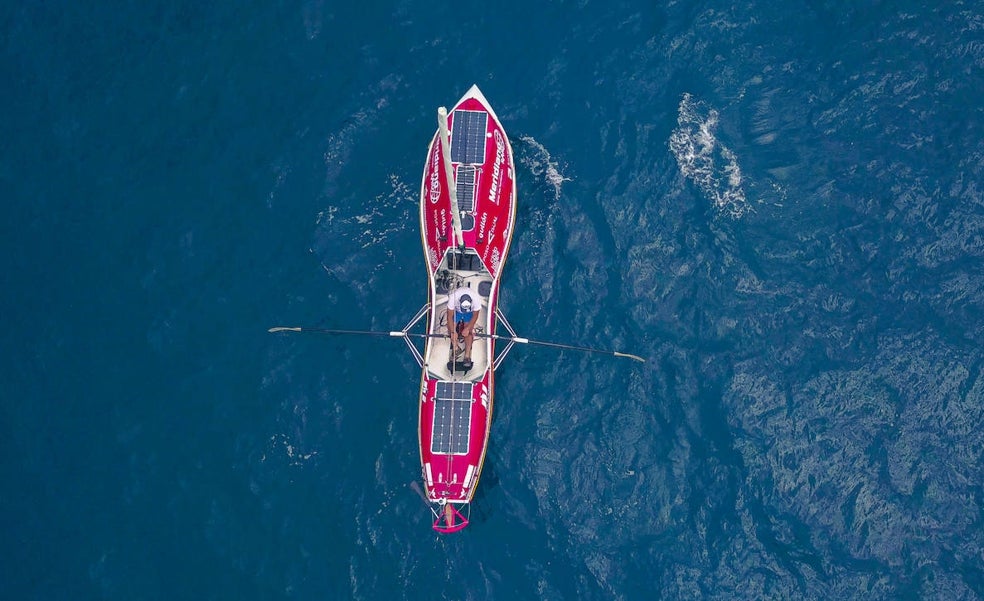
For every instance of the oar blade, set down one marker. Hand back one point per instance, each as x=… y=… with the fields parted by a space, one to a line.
x=629 y=356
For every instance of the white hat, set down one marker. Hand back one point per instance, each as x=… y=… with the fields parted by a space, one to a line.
x=465 y=303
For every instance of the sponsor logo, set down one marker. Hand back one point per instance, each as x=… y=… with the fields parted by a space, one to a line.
x=435 y=182
x=488 y=242
x=495 y=222
x=500 y=158
x=481 y=226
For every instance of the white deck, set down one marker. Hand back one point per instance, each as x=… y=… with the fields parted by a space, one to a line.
x=438 y=350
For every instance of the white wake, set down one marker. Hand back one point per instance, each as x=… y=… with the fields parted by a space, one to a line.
x=705 y=160
x=540 y=164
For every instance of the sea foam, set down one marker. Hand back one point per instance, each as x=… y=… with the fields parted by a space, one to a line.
x=542 y=165
x=704 y=159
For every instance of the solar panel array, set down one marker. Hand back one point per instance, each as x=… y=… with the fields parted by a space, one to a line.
x=452 y=418
x=466 y=188
x=468 y=137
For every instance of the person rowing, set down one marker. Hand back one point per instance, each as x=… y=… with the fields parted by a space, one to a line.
x=464 y=305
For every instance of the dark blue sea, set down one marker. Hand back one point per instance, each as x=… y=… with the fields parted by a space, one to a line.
x=779 y=204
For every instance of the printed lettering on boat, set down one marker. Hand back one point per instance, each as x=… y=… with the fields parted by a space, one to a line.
x=481 y=225
x=500 y=157
x=435 y=182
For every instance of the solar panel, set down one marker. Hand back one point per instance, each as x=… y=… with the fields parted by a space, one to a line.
x=468 y=137
x=466 y=188
x=452 y=418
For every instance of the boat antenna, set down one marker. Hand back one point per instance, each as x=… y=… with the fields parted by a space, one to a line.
x=442 y=124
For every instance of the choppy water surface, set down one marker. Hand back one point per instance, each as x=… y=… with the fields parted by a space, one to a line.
x=780 y=207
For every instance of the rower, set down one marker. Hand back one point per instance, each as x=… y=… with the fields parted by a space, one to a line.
x=464 y=305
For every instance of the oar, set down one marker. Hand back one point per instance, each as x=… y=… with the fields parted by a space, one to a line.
x=515 y=339
x=416 y=488
x=359 y=332
x=569 y=347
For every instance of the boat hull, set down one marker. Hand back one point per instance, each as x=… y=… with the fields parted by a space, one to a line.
x=456 y=404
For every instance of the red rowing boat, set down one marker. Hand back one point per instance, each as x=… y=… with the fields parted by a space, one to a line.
x=467 y=212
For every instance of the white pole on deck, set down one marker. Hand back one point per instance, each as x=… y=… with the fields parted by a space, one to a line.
x=442 y=124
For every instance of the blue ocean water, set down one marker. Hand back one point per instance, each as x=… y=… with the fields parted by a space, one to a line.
x=779 y=205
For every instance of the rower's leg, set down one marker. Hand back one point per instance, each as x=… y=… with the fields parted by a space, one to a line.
x=468 y=345
x=461 y=339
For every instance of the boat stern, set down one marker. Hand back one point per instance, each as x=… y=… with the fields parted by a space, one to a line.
x=450 y=517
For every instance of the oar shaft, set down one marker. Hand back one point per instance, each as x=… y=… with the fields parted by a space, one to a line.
x=327 y=331
x=396 y=334
x=568 y=347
